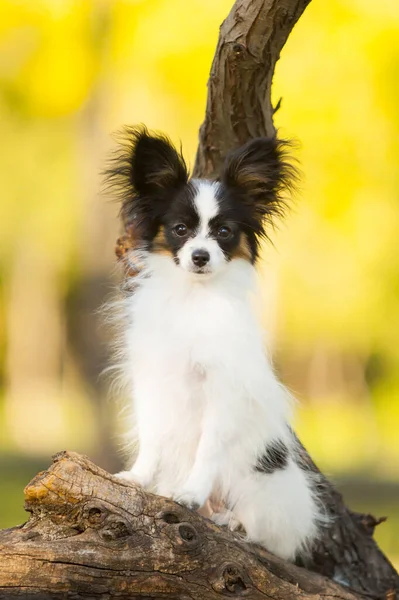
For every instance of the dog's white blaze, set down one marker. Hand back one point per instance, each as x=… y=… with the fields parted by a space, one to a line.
x=205 y=204
x=207 y=208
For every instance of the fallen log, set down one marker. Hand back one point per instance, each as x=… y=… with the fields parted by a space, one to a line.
x=91 y=535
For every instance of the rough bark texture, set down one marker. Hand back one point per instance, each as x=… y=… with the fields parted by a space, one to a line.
x=92 y=536
x=347 y=551
x=239 y=88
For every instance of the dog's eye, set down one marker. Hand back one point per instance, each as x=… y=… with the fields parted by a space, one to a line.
x=180 y=230
x=224 y=232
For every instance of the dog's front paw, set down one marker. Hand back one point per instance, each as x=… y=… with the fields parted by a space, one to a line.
x=190 y=499
x=187 y=500
x=226 y=517
x=131 y=477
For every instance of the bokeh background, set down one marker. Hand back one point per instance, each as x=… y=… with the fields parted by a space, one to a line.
x=72 y=72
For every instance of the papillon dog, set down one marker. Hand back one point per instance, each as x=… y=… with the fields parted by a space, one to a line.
x=211 y=419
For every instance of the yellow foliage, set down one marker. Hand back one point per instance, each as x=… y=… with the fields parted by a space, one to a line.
x=74 y=71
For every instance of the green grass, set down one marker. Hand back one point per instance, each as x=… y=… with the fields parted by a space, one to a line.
x=15 y=474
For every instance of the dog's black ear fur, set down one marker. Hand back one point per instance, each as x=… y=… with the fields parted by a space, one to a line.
x=155 y=164
x=259 y=172
x=146 y=171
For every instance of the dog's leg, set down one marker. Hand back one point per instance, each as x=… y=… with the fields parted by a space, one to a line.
x=220 y=426
x=144 y=469
x=148 y=428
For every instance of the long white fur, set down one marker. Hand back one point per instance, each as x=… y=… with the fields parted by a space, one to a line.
x=206 y=399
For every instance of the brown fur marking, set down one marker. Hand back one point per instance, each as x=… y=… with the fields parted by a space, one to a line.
x=160 y=245
x=243 y=250
x=130 y=240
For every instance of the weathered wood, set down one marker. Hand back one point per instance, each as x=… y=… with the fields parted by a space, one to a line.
x=91 y=535
x=347 y=551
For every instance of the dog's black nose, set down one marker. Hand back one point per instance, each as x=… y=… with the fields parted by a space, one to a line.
x=200 y=257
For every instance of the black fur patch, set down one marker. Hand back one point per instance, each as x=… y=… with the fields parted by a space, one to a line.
x=232 y=214
x=254 y=177
x=182 y=210
x=148 y=172
x=239 y=217
x=274 y=458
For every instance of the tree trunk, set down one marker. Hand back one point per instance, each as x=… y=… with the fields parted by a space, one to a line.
x=239 y=103
x=92 y=536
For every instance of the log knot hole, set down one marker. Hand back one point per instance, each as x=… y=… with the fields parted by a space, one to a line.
x=185 y=534
x=111 y=527
x=170 y=517
x=238 y=49
x=94 y=514
x=115 y=529
x=188 y=533
x=233 y=579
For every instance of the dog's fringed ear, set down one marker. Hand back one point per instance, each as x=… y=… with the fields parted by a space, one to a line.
x=146 y=171
x=155 y=164
x=260 y=172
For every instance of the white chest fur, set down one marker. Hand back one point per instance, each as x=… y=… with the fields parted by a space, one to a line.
x=195 y=344
x=207 y=404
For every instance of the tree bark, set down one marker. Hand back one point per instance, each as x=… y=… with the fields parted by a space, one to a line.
x=347 y=551
x=239 y=103
x=93 y=536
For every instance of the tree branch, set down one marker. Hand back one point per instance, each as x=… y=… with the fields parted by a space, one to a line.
x=239 y=88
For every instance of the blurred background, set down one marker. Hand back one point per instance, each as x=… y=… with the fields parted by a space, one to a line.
x=72 y=72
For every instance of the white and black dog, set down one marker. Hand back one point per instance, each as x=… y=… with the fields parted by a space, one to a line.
x=210 y=416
